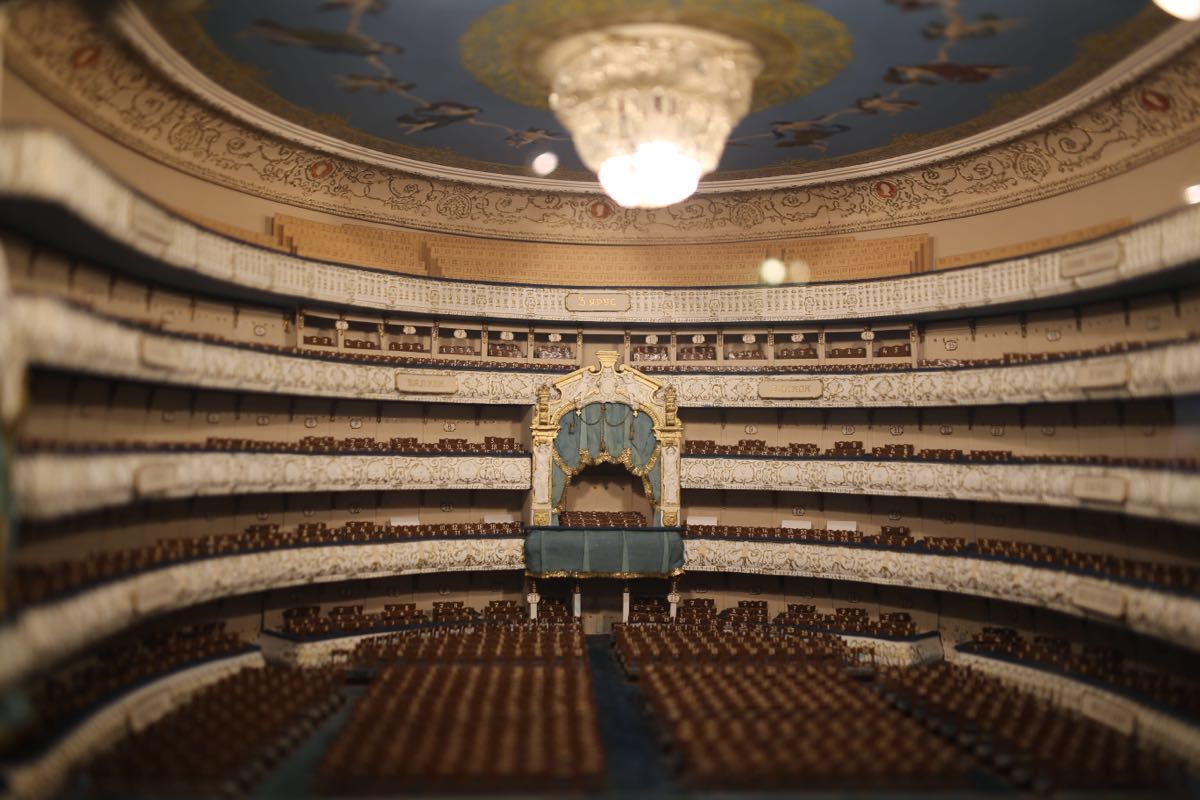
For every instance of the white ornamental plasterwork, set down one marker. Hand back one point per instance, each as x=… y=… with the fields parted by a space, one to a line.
x=43 y=776
x=41 y=635
x=324 y=651
x=895 y=653
x=43 y=166
x=1160 y=493
x=63 y=336
x=52 y=485
x=96 y=77
x=67 y=337
x=1166 y=370
x=1163 y=615
x=1151 y=725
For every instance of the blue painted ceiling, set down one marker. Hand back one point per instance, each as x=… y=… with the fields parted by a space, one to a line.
x=895 y=76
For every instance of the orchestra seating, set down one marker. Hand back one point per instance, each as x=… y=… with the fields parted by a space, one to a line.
x=734 y=707
x=896 y=624
x=224 y=739
x=602 y=519
x=34 y=583
x=649 y=609
x=505 y=707
x=1105 y=665
x=1024 y=738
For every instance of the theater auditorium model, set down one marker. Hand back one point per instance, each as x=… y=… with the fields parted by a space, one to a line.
x=358 y=441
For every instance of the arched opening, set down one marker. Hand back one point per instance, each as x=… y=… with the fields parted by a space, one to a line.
x=607 y=487
x=612 y=451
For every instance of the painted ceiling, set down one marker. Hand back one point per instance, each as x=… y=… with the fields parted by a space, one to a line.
x=851 y=81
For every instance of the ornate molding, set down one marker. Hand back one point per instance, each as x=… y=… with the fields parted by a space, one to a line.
x=56 y=485
x=892 y=653
x=44 y=634
x=1109 y=708
x=97 y=78
x=44 y=776
x=1164 y=494
x=607 y=382
x=42 y=166
x=74 y=339
x=1167 y=370
x=71 y=338
x=1172 y=617
x=319 y=652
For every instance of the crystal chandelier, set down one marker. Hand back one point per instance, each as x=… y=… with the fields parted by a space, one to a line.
x=650 y=105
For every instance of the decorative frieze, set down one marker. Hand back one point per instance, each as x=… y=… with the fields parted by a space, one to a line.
x=1136 y=116
x=899 y=653
x=1164 y=494
x=51 y=485
x=321 y=652
x=42 y=166
x=1164 y=615
x=56 y=334
x=43 y=634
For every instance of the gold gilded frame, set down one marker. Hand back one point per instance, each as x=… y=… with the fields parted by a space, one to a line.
x=608 y=381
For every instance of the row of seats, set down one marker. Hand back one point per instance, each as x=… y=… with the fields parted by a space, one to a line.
x=638 y=645
x=62 y=697
x=1008 y=359
x=306 y=621
x=504 y=350
x=751 y=709
x=703 y=612
x=602 y=519
x=490 y=708
x=553 y=637
x=697 y=352
x=855 y=449
x=896 y=624
x=1181 y=577
x=746 y=708
x=34 y=583
x=223 y=740
x=1023 y=738
x=85 y=285
x=561 y=352
x=1104 y=664
x=491 y=445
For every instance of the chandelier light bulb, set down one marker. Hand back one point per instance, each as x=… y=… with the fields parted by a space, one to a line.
x=654 y=175
x=650 y=105
x=1184 y=9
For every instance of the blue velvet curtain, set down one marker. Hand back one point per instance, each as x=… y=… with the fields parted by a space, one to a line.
x=601 y=432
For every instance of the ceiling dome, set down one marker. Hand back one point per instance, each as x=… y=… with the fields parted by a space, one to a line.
x=844 y=83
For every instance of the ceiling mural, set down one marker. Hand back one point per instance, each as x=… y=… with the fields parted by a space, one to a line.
x=846 y=82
